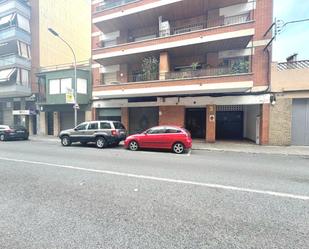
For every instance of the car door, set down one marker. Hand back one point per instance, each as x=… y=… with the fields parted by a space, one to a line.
x=91 y=131
x=154 y=138
x=172 y=135
x=79 y=133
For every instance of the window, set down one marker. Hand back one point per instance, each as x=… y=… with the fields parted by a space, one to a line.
x=156 y=130
x=7 y=21
x=110 y=78
x=54 y=86
x=172 y=130
x=105 y=125
x=93 y=126
x=66 y=85
x=24 y=50
x=119 y=126
x=23 y=23
x=81 y=127
x=82 y=86
x=24 y=79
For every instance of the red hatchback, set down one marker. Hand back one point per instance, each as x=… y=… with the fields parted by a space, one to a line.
x=161 y=137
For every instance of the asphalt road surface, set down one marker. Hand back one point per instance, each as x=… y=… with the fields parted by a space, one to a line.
x=82 y=197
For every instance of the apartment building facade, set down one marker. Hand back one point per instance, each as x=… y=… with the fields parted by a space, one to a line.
x=289 y=114
x=198 y=64
x=26 y=47
x=17 y=106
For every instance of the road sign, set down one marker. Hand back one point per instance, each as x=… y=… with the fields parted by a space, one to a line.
x=69 y=98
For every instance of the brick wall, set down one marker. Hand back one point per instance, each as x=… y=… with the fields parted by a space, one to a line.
x=280 y=122
x=172 y=115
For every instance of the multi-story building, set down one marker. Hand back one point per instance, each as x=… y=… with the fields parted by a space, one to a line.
x=289 y=114
x=16 y=104
x=200 y=64
x=26 y=46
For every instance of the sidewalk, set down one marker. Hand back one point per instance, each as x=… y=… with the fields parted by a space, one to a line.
x=248 y=147
x=224 y=146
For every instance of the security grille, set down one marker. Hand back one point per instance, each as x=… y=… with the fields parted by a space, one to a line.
x=230 y=108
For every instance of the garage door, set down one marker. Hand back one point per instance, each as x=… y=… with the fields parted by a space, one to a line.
x=140 y=119
x=300 y=122
x=67 y=119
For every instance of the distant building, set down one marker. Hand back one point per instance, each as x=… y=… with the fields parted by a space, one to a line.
x=193 y=63
x=289 y=116
x=26 y=46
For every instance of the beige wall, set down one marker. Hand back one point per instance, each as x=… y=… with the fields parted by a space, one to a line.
x=280 y=122
x=289 y=80
x=72 y=20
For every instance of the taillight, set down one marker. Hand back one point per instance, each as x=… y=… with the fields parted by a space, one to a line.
x=114 y=132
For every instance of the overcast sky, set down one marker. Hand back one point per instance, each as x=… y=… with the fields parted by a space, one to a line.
x=295 y=37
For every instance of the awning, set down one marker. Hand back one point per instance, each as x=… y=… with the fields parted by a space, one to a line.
x=5 y=75
x=7 y=19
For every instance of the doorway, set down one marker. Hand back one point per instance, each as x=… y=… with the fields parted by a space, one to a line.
x=196 y=122
x=229 y=125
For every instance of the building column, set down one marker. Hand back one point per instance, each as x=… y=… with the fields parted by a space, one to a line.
x=43 y=124
x=172 y=115
x=164 y=65
x=31 y=132
x=56 y=123
x=211 y=124
x=94 y=113
x=88 y=116
x=264 y=125
x=125 y=117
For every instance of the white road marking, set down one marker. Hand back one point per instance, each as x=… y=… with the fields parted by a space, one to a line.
x=169 y=180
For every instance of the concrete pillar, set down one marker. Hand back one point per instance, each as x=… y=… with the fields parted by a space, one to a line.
x=94 y=113
x=56 y=123
x=164 y=65
x=88 y=116
x=211 y=124
x=172 y=115
x=125 y=117
x=31 y=132
x=43 y=124
x=264 y=125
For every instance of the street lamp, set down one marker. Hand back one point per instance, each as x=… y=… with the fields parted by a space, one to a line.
x=75 y=74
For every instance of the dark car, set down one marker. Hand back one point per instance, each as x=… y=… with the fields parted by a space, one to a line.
x=102 y=133
x=13 y=133
x=172 y=138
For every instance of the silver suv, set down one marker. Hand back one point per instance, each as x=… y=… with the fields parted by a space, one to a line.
x=102 y=133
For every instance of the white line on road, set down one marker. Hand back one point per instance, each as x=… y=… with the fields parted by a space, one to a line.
x=153 y=178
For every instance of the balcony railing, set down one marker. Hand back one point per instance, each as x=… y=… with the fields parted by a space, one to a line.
x=113 y=4
x=293 y=65
x=190 y=27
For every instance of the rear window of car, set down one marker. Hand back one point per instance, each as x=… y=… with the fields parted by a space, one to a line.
x=105 y=125
x=172 y=130
x=119 y=126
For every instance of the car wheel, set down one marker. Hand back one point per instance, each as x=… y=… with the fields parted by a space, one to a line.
x=65 y=141
x=2 y=137
x=133 y=145
x=100 y=142
x=178 y=148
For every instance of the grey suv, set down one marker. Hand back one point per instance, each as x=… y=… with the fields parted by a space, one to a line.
x=103 y=133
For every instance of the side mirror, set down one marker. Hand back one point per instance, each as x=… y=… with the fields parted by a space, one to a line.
x=75 y=129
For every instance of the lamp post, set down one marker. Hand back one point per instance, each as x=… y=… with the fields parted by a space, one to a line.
x=75 y=74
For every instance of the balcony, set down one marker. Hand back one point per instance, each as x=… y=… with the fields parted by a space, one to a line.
x=7 y=91
x=9 y=6
x=14 y=33
x=14 y=60
x=113 y=4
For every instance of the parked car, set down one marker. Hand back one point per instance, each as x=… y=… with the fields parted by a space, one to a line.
x=102 y=133
x=161 y=137
x=13 y=133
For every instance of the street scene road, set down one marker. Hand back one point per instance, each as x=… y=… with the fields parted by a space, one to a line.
x=82 y=197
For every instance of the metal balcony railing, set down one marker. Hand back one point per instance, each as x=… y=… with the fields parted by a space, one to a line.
x=190 y=27
x=113 y=4
x=293 y=65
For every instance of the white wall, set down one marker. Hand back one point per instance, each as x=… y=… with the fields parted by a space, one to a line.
x=250 y=114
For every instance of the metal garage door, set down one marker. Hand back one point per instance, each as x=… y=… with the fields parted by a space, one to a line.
x=67 y=119
x=142 y=118
x=300 y=122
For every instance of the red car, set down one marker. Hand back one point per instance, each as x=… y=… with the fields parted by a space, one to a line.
x=161 y=137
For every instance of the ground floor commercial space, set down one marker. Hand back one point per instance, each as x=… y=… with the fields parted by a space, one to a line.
x=19 y=111
x=207 y=118
x=55 y=118
x=289 y=120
